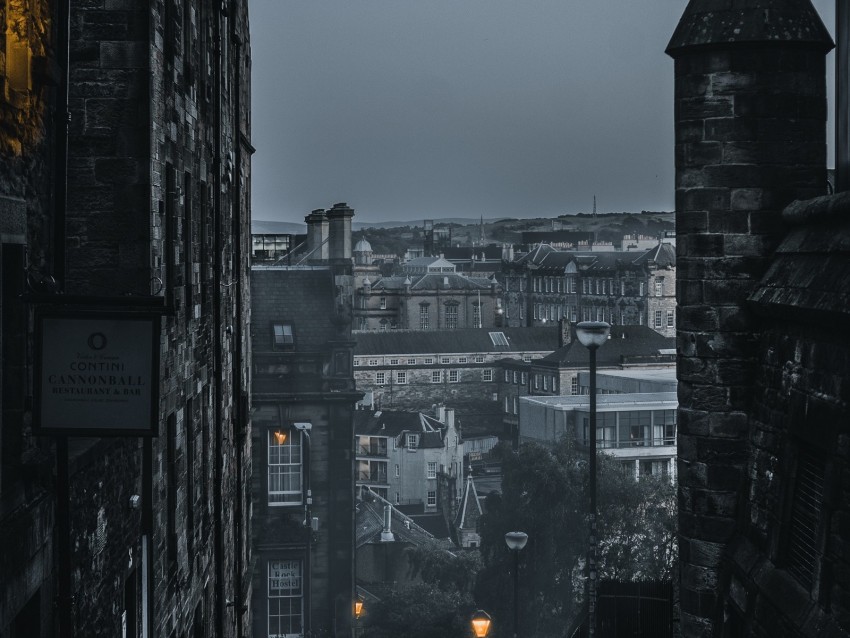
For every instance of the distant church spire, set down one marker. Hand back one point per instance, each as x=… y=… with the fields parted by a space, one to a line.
x=481 y=231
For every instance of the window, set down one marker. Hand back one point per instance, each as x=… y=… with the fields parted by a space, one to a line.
x=462 y=360
x=373 y=362
x=285 y=467
x=396 y=470
x=516 y=377
x=516 y=405
x=479 y=358
x=412 y=441
x=453 y=376
x=411 y=362
x=536 y=381
x=524 y=378
x=445 y=360
x=393 y=362
x=380 y=378
x=285 y=603
x=622 y=287
x=401 y=377
x=671 y=318
x=432 y=469
x=476 y=316
x=384 y=325
x=507 y=376
x=356 y=363
x=659 y=286
x=507 y=405
x=574 y=386
x=526 y=358
x=282 y=337
x=658 y=319
x=432 y=498
x=436 y=376
x=641 y=289
x=486 y=375
x=451 y=316
x=546 y=382
x=429 y=361
x=801 y=552
x=584 y=286
x=424 y=318
x=383 y=303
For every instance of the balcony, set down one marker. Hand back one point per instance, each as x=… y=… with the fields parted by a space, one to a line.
x=372 y=477
x=372 y=450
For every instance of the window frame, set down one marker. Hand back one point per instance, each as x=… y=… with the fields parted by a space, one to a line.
x=431 y=470
x=299 y=472
x=299 y=596
x=284 y=343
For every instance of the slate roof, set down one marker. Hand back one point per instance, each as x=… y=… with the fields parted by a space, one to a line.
x=707 y=22
x=542 y=339
x=470 y=507
x=369 y=523
x=625 y=341
x=546 y=257
x=807 y=275
x=491 y=253
x=392 y=423
x=433 y=282
x=303 y=297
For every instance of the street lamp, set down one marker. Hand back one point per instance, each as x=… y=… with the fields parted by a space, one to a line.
x=515 y=542
x=358 y=608
x=480 y=623
x=592 y=334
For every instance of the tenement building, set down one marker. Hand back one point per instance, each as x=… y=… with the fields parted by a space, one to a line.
x=764 y=283
x=622 y=288
x=124 y=210
x=303 y=466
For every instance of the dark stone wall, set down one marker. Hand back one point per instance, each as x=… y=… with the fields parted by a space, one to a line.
x=750 y=138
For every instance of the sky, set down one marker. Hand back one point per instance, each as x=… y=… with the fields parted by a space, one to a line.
x=428 y=109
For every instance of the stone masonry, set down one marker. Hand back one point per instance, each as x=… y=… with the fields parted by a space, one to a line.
x=750 y=109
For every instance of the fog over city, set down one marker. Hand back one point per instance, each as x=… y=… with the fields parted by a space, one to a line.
x=412 y=110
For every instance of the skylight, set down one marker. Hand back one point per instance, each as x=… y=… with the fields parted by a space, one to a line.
x=498 y=338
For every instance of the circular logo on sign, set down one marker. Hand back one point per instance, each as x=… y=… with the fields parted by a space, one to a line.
x=97 y=341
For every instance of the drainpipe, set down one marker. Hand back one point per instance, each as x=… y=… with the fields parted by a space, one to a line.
x=62 y=117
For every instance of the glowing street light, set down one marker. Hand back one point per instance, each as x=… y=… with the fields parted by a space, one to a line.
x=480 y=623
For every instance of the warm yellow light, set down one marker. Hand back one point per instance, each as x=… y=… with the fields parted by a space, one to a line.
x=358 y=608
x=480 y=623
x=280 y=437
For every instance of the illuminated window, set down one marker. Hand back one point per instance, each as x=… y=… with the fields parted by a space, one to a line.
x=285 y=598
x=285 y=467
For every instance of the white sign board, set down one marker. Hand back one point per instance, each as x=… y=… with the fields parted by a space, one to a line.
x=97 y=373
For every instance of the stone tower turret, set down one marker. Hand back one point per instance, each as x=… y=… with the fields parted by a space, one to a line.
x=750 y=113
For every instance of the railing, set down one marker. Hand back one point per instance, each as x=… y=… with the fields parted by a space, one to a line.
x=667 y=440
x=372 y=477
x=371 y=450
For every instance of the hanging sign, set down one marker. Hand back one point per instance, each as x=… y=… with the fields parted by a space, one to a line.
x=97 y=373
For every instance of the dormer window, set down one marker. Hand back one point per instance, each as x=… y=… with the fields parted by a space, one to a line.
x=412 y=442
x=283 y=337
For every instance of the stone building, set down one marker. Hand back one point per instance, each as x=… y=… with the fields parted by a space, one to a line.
x=622 y=288
x=303 y=480
x=762 y=339
x=557 y=373
x=400 y=455
x=142 y=207
x=428 y=295
x=415 y=370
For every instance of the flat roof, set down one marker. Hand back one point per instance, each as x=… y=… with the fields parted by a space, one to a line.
x=608 y=402
x=663 y=374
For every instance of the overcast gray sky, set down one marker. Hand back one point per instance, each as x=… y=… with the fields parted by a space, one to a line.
x=412 y=109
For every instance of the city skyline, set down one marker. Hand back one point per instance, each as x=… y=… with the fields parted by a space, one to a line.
x=431 y=110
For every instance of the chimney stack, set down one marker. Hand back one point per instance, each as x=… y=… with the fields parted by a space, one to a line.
x=750 y=131
x=317 y=233
x=387 y=532
x=339 y=218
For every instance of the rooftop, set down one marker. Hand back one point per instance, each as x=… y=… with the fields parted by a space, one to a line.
x=464 y=341
x=609 y=402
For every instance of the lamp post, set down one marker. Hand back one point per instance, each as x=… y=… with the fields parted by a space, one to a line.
x=515 y=542
x=480 y=623
x=592 y=334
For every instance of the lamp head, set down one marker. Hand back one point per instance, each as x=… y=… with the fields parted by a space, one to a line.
x=303 y=427
x=480 y=623
x=516 y=540
x=280 y=436
x=593 y=334
x=358 y=608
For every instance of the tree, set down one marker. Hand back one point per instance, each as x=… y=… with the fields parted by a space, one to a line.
x=544 y=493
x=438 y=607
